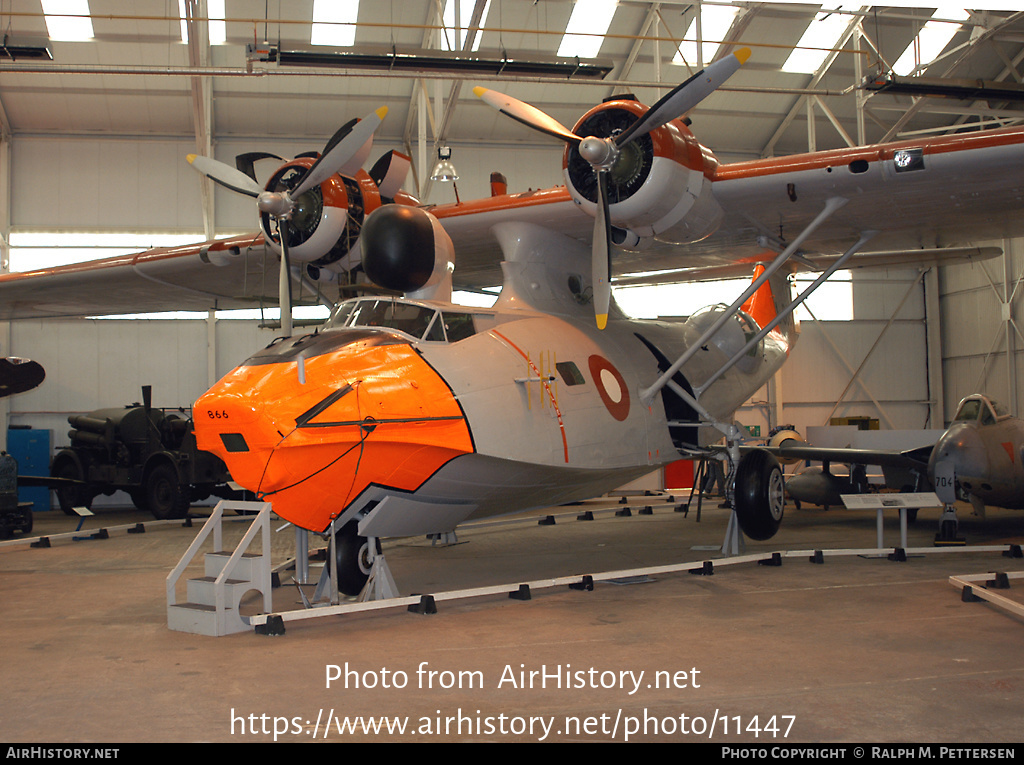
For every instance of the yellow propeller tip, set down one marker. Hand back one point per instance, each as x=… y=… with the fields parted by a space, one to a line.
x=479 y=91
x=382 y=112
x=602 y=320
x=191 y=158
x=742 y=54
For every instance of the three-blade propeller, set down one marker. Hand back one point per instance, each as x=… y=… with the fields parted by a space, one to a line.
x=345 y=155
x=602 y=152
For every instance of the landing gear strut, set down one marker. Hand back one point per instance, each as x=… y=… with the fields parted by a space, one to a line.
x=948 y=528
x=756 y=491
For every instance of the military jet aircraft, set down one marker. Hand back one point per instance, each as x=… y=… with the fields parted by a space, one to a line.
x=408 y=415
x=978 y=459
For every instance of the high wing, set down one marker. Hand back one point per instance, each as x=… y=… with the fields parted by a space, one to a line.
x=227 y=273
x=958 y=191
x=678 y=208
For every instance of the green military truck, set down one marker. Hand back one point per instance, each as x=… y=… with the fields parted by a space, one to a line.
x=148 y=452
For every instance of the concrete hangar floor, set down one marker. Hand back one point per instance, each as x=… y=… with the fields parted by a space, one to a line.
x=856 y=649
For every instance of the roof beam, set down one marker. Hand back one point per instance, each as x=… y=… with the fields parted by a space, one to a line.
x=855 y=23
x=202 y=101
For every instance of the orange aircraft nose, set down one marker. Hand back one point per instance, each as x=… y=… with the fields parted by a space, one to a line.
x=309 y=423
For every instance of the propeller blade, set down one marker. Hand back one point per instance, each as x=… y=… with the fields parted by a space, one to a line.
x=685 y=96
x=225 y=175
x=522 y=112
x=601 y=256
x=337 y=157
x=284 y=283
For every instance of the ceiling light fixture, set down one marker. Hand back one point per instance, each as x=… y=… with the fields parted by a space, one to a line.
x=444 y=170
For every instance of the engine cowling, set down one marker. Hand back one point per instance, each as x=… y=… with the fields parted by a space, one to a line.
x=326 y=221
x=659 y=185
x=406 y=249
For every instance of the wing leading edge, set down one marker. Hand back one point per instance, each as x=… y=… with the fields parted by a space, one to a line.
x=927 y=200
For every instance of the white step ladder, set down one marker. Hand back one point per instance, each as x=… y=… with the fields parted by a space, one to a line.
x=213 y=601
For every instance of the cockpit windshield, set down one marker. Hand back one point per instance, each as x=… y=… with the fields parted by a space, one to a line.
x=980 y=409
x=421 y=322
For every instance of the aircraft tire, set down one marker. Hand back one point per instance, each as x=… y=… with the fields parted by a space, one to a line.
x=760 y=495
x=353 y=557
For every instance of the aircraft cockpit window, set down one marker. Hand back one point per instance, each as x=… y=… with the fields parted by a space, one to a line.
x=969 y=410
x=458 y=326
x=436 y=331
x=1000 y=409
x=421 y=322
x=409 y=318
x=340 y=314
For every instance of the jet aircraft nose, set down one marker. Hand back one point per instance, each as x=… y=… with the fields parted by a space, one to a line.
x=963 y=447
x=309 y=423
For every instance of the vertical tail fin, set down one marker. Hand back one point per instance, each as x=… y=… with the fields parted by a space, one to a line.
x=772 y=297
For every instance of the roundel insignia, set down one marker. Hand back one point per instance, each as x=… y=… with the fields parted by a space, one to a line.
x=610 y=386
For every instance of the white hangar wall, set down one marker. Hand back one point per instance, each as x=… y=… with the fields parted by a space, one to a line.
x=103 y=184
x=982 y=342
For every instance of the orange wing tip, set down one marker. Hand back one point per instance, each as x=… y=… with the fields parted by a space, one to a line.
x=742 y=54
x=602 y=320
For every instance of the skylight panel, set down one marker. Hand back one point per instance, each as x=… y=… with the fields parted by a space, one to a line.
x=68 y=20
x=334 y=23
x=715 y=22
x=587 y=27
x=218 y=26
x=455 y=39
x=930 y=41
x=821 y=34
x=184 y=22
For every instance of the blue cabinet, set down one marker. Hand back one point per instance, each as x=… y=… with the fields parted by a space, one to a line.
x=32 y=449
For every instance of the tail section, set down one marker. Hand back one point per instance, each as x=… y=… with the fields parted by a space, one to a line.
x=769 y=301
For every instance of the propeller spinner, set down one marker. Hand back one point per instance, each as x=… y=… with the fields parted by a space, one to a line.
x=603 y=152
x=344 y=154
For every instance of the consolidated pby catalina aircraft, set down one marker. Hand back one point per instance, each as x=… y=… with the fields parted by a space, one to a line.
x=408 y=415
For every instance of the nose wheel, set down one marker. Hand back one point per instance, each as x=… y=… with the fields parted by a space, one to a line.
x=353 y=558
x=361 y=568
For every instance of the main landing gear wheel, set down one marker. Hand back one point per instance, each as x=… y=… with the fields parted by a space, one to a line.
x=760 y=494
x=352 y=553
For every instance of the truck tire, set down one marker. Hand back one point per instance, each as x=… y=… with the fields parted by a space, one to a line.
x=72 y=496
x=165 y=496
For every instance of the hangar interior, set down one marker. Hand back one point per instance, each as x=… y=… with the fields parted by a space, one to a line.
x=97 y=116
